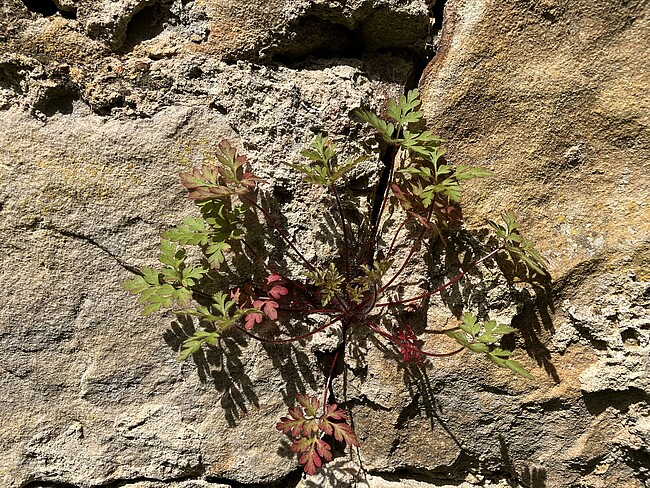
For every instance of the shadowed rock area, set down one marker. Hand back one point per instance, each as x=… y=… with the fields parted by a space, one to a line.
x=103 y=102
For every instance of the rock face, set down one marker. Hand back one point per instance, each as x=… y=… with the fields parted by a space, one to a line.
x=553 y=97
x=103 y=102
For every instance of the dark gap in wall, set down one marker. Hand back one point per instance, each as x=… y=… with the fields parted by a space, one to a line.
x=598 y=401
x=48 y=484
x=318 y=38
x=43 y=7
x=48 y=8
x=10 y=77
x=144 y=25
x=68 y=14
x=289 y=481
x=58 y=100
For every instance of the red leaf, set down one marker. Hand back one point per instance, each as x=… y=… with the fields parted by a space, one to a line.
x=290 y=426
x=273 y=278
x=341 y=430
x=323 y=449
x=278 y=292
x=270 y=309
x=344 y=433
x=410 y=345
x=314 y=449
x=333 y=412
x=309 y=403
x=311 y=460
x=254 y=317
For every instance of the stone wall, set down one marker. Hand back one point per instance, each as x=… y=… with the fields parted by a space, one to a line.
x=103 y=102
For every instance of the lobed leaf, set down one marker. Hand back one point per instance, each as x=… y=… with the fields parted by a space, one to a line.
x=385 y=129
x=192 y=231
x=341 y=430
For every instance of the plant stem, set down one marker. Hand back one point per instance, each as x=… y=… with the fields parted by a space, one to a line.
x=279 y=231
x=307 y=311
x=394 y=339
x=291 y=339
x=399 y=229
x=446 y=285
x=392 y=154
x=346 y=240
x=329 y=379
x=257 y=256
x=405 y=263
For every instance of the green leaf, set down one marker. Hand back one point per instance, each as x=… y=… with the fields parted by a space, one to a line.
x=191 y=275
x=478 y=347
x=192 y=231
x=469 y=323
x=423 y=143
x=155 y=295
x=215 y=253
x=494 y=332
x=170 y=255
x=194 y=343
x=136 y=285
x=518 y=368
x=403 y=111
x=323 y=169
x=222 y=304
x=501 y=359
x=459 y=337
x=339 y=171
x=189 y=348
x=385 y=129
x=321 y=150
x=519 y=248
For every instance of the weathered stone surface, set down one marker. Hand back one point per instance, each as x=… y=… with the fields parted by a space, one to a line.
x=553 y=96
x=103 y=102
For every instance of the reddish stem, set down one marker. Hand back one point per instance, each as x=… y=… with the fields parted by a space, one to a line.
x=346 y=241
x=307 y=311
x=329 y=380
x=405 y=263
x=394 y=339
x=446 y=285
x=291 y=339
x=375 y=228
x=408 y=258
x=399 y=229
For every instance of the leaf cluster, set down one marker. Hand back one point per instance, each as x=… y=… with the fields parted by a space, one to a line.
x=481 y=337
x=221 y=314
x=370 y=277
x=323 y=168
x=169 y=285
x=226 y=178
x=520 y=248
x=308 y=430
x=424 y=185
x=328 y=281
x=212 y=232
x=421 y=181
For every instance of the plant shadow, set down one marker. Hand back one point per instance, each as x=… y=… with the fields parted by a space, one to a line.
x=529 y=291
x=222 y=367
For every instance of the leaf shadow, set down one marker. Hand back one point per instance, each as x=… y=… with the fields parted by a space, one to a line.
x=530 y=477
x=534 y=301
x=219 y=366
